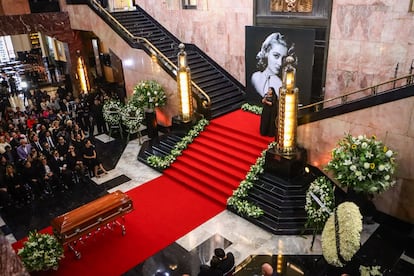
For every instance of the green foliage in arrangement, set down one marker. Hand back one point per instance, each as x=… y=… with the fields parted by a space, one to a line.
x=149 y=94
x=364 y=164
x=237 y=200
x=166 y=161
x=252 y=108
x=41 y=252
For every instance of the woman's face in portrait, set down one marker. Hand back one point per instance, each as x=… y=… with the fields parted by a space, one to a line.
x=275 y=57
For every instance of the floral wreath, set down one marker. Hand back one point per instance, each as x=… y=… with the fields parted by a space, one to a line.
x=320 y=201
x=132 y=117
x=111 y=112
x=341 y=236
x=363 y=164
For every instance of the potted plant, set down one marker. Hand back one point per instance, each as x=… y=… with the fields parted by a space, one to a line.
x=148 y=95
x=365 y=167
x=41 y=252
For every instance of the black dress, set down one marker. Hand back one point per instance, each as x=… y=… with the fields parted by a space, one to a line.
x=268 y=117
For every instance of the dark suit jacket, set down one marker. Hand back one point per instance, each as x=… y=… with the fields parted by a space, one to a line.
x=227 y=263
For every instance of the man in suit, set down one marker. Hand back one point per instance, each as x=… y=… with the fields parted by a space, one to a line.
x=49 y=139
x=36 y=143
x=226 y=260
x=23 y=150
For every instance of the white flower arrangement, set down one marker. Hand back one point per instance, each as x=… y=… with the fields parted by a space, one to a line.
x=370 y=270
x=149 y=94
x=237 y=200
x=166 y=161
x=341 y=235
x=252 y=108
x=132 y=117
x=364 y=164
x=320 y=201
x=111 y=112
x=41 y=252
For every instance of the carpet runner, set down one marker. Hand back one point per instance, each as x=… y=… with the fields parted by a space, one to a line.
x=193 y=190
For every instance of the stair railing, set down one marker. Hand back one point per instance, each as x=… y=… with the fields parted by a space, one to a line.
x=206 y=102
x=367 y=92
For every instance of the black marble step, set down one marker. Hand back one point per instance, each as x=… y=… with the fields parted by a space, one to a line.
x=224 y=91
x=276 y=200
x=273 y=204
x=203 y=73
x=273 y=226
x=230 y=95
x=296 y=185
x=230 y=103
x=160 y=147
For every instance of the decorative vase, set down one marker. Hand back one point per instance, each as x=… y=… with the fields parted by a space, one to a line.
x=364 y=202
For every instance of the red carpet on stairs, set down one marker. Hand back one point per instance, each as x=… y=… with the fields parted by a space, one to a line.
x=193 y=190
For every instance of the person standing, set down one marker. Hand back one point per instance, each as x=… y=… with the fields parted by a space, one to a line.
x=97 y=114
x=269 y=113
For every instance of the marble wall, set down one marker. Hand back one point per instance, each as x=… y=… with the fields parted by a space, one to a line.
x=14 y=7
x=216 y=27
x=137 y=65
x=395 y=129
x=368 y=39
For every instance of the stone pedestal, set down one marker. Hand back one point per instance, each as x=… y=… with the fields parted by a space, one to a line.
x=151 y=123
x=285 y=165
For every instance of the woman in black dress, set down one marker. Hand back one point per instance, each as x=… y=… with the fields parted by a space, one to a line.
x=91 y=159
x=269 y=113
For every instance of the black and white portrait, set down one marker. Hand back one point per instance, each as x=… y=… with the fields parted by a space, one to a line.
x=266 y=50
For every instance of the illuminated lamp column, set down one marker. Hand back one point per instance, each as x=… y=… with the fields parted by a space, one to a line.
x=82 y=74
x=288 y=110
x=286 y=159
x=184 y=87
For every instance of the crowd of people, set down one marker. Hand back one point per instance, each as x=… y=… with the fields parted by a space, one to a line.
x=46 y=146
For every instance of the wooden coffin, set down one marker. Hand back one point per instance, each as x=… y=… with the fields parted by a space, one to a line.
x=89 y=217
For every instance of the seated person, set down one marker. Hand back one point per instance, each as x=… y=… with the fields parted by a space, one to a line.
x=226 y=260
x=74 y=161
x=47 y=175
x=19 y=192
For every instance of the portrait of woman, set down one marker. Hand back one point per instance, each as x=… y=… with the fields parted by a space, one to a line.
x=269 y=61
x=265 y=52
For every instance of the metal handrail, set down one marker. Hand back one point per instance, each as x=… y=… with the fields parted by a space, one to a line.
x=154 y=50
x=374 y=90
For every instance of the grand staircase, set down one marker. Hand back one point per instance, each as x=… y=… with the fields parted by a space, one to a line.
x=225 y=92
x=217 y=160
